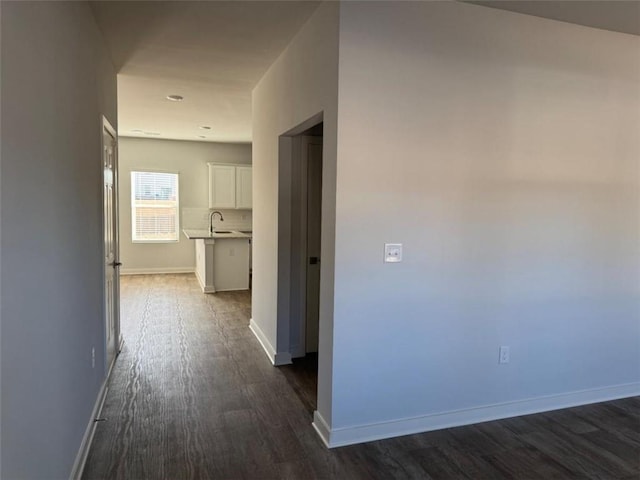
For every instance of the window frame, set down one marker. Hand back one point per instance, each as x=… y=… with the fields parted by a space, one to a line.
x=134 y=206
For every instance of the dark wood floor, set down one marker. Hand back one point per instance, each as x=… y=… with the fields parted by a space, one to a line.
x=193 y=396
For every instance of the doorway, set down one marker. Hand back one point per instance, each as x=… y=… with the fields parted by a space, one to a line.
x=300 y=226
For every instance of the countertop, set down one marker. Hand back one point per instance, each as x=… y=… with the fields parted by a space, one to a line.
x=204 y=234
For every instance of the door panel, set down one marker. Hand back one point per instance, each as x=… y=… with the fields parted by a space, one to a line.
x=111 y=267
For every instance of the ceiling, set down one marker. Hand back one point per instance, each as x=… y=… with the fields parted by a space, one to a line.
x=210 y=52
x=618 y=16
x=214 y=52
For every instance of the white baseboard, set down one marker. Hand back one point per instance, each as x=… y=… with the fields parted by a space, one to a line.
x=203 y=285
x=339 y=437
x=156 y=271
x=85 y=445
x=283 y=358
x=321 y=427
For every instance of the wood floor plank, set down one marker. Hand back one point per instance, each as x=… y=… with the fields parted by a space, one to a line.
x=437 y=464
x=395 y=458
x=528 y=463
x=578 y=456
x=627 y=452
x=567 y=419
x=192 y=396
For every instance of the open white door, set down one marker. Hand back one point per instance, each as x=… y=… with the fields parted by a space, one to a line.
x=110 y=222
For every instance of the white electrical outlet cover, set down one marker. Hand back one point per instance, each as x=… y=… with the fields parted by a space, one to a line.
x=392 y=252
x=505 y=355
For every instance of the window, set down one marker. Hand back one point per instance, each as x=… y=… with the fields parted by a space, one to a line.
x=154 y=207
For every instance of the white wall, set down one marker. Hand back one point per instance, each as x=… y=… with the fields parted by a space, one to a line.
x=189 y=159
x=502 y=150
x=300 y=84
x=57 y=82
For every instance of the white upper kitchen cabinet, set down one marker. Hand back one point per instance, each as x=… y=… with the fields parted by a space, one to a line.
x=230 y=186
x=243 y=187
x=222 y=186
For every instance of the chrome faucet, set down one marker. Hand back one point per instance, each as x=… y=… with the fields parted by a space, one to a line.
x=211 y=220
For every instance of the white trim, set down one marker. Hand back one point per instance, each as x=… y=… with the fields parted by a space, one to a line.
x=277 y=359
x=152 y=170
x=200 y=280
x=210 y=289
x=85 y=445
x=203 y=285
x=282 y=358
x=262 y=338
x=339 y=437
x=321 y=427
x=154 y=271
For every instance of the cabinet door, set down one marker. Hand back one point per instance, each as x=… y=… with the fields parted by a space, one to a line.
x=243 y=187
x=222 y=186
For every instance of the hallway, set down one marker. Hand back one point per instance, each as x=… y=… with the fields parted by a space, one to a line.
x=193 y=396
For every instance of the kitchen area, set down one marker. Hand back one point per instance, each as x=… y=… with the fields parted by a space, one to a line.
x=223 y=256
x=223 y=259
x=212 y=218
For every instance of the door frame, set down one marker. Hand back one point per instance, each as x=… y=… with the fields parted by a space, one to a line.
x=291 y=296
x=106 y=125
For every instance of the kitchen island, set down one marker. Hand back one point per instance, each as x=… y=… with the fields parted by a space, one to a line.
x=222 y=259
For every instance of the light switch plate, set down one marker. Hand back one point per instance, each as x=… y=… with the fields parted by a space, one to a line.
x=392 y=252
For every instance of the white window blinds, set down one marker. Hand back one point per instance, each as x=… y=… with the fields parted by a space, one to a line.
x=154 y=207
